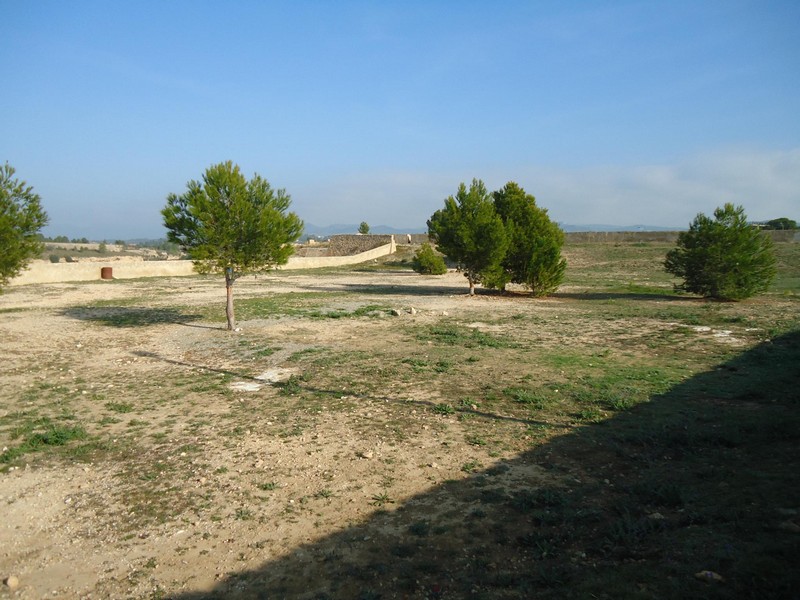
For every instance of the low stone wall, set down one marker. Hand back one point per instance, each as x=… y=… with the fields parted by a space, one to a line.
x=670 y=237
x=346 y=245
x=42 y=272
x=416 y=238
x=620 y=237
x=316 y=262
x=45 y=272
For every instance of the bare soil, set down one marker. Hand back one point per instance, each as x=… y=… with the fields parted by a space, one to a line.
x=80 y=529
x=318 y=450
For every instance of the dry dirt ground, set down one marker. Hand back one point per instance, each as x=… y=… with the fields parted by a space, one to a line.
x=206 y=481
x=332 y=449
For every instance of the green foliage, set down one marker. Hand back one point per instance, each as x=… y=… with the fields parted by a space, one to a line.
x=363 y=228
x=227 y=224
x=54 y=435
x=469 y=231
x=21 y=218
x=500 y=238
x=724 y=258
x=428 y=262
x=54 y=258
x=534 y=257
x=781 y=223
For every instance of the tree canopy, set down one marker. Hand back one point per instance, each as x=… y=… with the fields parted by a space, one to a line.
x=228 y=224
x=500 y=238
x=533 y=258
x=21 y=219
x=724 y=257
x=469 y=231
x=781 y=223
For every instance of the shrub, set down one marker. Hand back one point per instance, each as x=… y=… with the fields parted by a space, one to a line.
x=724 y=258
x=54 y=258
x=428 y=262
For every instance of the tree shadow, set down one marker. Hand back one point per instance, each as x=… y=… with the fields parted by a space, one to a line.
x=127 y=316
x=694 y=494
x=404 y=289
x=654 y=297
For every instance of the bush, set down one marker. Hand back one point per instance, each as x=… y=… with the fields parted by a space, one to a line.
x=724 y=258
x=54 y=258
x=428 y=262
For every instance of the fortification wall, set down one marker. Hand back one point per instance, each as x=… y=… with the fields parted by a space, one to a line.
x=344 y=245
x=316 y=262
x=670 y=237
x=45 y=272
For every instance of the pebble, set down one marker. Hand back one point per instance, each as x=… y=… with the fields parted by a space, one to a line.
x=12 y=582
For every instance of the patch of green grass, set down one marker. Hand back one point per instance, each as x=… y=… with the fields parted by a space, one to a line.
x=534 y=398
x=466 y=337
x=369 y=310
x=471 y=466
x=53 y=435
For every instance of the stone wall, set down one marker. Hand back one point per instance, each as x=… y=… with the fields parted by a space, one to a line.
x=670 y=237
x=620 y=237
x=46 y=272
x=346 y=245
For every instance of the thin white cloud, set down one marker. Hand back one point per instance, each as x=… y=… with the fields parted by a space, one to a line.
x=767 y=184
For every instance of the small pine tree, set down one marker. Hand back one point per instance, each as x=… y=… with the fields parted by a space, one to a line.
x=533 y=258
x=724 y=258
x=469 y=231
x=363 y=229
x=231 y=225
x=428 y=262
x=21 y=218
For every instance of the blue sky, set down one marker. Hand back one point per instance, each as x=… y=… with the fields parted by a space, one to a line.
x=608 y=112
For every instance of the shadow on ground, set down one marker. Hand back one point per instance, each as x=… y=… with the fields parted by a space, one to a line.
x=128 y=316
x=694 y=494
x=654 y=296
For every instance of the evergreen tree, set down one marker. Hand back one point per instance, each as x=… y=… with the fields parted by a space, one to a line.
x=21 y=219
x=724 y=257
x=533 y=258
x=227 y=224
x=469 y=232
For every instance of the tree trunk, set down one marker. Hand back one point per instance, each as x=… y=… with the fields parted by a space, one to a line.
x=229 y=305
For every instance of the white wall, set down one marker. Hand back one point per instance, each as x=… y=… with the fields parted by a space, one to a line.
x=44 y=272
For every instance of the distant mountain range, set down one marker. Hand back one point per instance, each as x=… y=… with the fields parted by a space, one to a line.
x=352 y=228
x=576 y=228
x=315 y=230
